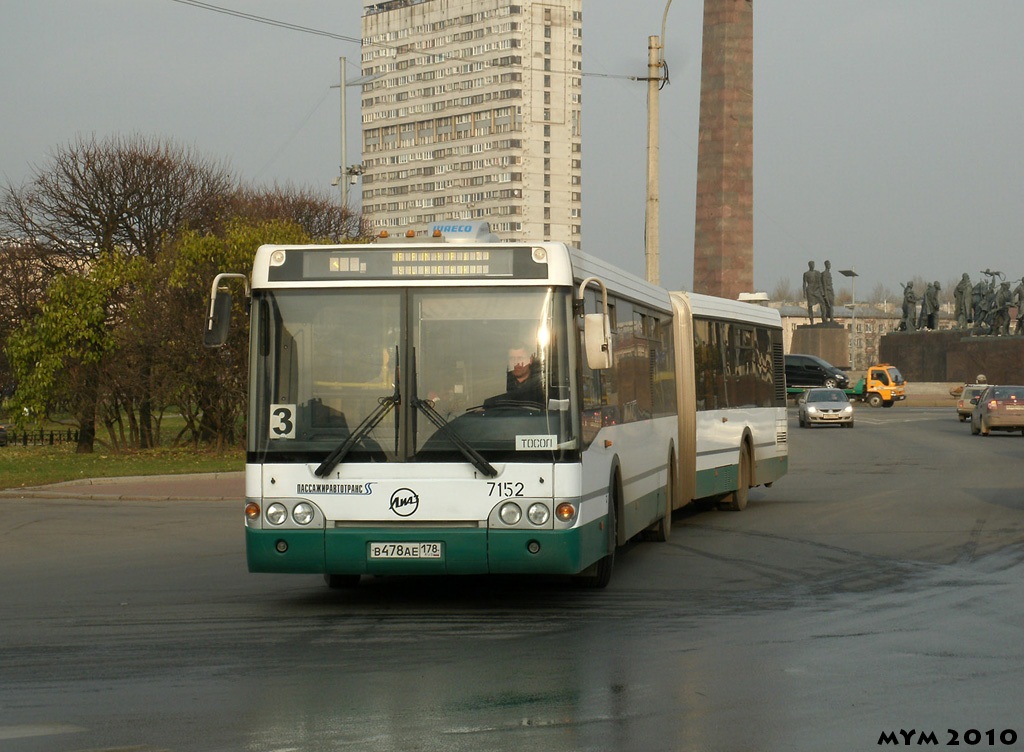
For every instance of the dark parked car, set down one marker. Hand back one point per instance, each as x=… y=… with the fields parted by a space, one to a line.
x=999 y=408
x=810 y=370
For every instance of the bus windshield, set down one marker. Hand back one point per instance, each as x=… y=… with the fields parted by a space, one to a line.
x=413 y=375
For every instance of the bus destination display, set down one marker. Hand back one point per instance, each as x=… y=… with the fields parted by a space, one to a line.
x=390 y=263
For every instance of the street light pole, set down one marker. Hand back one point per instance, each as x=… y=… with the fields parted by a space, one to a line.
x=852 y=274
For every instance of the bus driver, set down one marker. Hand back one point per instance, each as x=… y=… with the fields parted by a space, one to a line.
x=523 y=380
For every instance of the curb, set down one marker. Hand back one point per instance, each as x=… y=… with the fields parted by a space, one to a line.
x=188 y=487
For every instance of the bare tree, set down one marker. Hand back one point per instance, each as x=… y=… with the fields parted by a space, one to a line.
x=783 y=291
x=881 y=294
x=123 y=194
x=319 y=216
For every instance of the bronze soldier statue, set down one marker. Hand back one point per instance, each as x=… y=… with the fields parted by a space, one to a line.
x=813 y=291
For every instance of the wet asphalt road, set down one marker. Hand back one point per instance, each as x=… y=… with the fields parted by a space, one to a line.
x=878 y=588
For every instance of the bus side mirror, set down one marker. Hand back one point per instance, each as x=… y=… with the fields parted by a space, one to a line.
x=597 y=329
x=597 y=336
x=218 y=322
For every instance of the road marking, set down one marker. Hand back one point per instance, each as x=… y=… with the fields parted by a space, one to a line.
x=29 y=730
x=860 y=417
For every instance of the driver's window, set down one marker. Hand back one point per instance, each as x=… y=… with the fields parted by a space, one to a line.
x=474 y=349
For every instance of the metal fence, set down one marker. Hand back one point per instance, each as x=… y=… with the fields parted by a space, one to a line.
x=42 y=437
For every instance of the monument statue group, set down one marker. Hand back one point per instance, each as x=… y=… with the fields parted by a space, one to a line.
x=983 y=308
x=818 y=292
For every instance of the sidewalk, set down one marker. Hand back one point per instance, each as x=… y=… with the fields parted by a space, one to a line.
x=930 y=394
x=196 y=487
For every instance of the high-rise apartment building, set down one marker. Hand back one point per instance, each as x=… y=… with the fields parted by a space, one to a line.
x=472 y=111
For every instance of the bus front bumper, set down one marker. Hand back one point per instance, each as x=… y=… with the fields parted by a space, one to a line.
x=463 y=551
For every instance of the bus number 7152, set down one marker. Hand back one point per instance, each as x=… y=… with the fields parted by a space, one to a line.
x=504 y=490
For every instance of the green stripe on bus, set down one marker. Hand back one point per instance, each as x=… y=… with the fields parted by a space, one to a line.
x=466 y=551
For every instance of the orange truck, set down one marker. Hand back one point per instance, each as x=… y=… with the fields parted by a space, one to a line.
x=882 y=385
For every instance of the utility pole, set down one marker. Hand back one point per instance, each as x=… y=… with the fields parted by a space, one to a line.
x=652 y=229
x=342 y=177
x=656 y=81
x=347 y=174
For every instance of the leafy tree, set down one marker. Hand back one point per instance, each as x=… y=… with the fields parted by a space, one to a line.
x=58 y=357
x=124 y=196
x=132 y=231
x=209 y=385
x=22 y=285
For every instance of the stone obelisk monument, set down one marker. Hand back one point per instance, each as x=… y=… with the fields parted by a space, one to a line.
x=723 y=253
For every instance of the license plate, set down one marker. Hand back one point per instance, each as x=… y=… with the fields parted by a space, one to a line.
x=405 y=550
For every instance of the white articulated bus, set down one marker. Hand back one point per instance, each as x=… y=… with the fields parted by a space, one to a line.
x=451 y=404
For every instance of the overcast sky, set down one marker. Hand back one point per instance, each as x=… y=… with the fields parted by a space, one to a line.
x=888 y=135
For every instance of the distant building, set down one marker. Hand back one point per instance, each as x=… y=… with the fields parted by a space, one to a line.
x=473 y=111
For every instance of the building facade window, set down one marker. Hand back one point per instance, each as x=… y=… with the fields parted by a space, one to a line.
x=436 y=126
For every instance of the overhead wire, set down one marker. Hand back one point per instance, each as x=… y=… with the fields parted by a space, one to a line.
x=268 y=21
x=295 y=132
x=332 y=35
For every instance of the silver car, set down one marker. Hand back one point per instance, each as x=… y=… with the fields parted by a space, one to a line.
x=824 y=406
x=965 y=402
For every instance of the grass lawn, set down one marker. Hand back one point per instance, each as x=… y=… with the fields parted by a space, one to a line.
x=40 y=465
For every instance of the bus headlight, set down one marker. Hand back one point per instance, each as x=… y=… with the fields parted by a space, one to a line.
x=510 y=513
x=303 y=513
x=276 y=513
x=538 y=513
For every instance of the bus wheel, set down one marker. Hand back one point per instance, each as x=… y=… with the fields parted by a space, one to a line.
x=737 y=500
x=663 y=527
x=599 y=574
x=341 y=581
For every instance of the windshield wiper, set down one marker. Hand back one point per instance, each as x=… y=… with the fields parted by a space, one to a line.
x=481 y=464
x=384 y=406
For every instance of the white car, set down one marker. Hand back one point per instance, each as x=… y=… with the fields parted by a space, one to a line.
x=824 y=405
